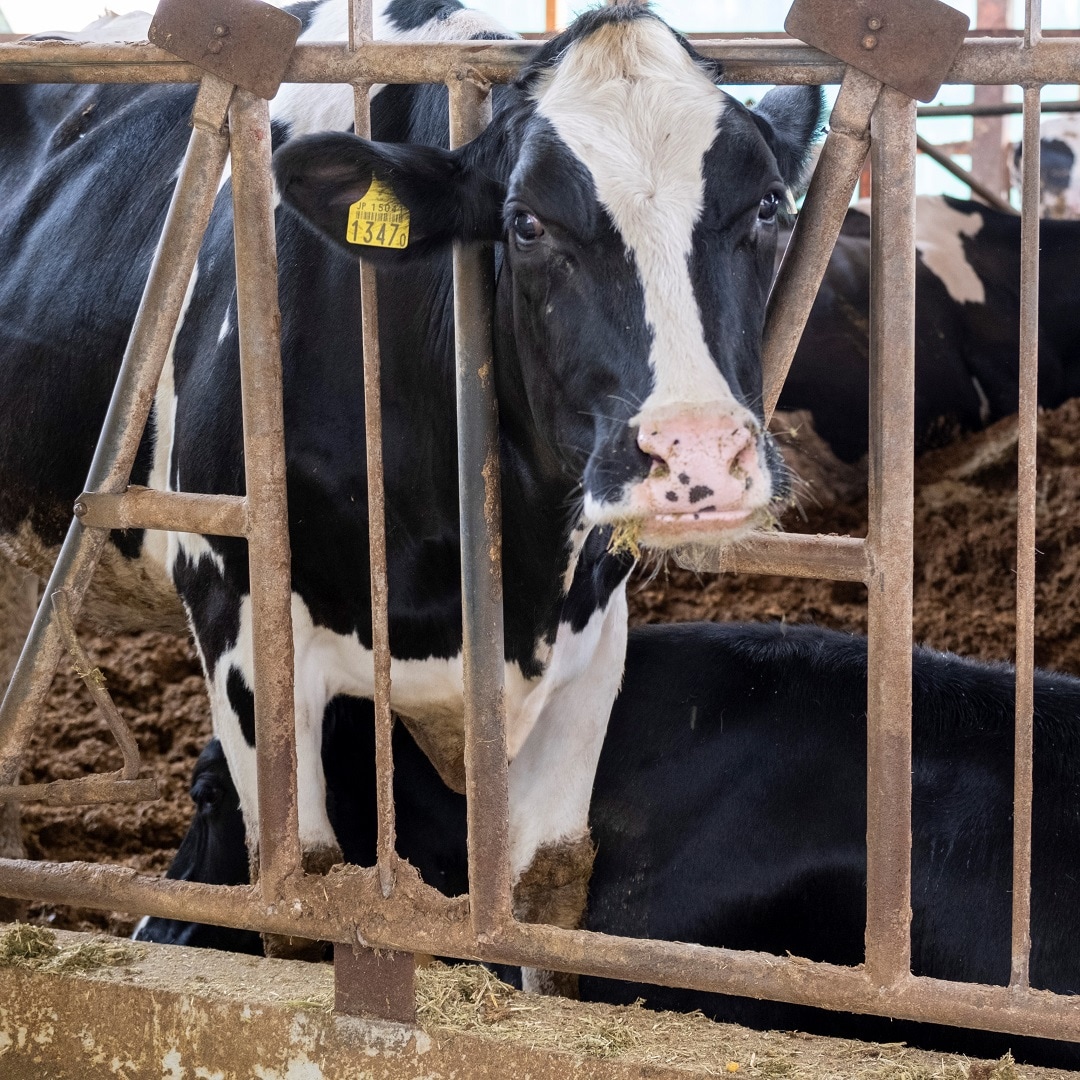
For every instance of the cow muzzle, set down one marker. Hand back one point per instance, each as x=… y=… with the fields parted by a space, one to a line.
x=707 y=483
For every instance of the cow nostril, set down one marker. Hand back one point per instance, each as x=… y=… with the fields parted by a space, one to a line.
x=660 y=467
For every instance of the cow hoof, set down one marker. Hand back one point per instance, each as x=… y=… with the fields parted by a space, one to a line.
x=285 y=947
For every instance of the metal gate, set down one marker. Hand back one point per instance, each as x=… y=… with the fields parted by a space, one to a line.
x=387 y=907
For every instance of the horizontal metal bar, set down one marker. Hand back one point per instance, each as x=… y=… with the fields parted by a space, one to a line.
x=331 y=908
x=981 y=61
x=1007 y=108
x=85 y=791
x=177 y=511
x=829 y=558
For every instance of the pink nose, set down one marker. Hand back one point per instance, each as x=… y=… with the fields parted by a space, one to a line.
x=704 y=462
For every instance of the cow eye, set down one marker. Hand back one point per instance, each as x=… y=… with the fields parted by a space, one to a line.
x=527 y=227
x=769 y=205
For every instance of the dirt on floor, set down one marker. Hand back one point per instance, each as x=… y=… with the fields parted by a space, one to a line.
x=965 y=522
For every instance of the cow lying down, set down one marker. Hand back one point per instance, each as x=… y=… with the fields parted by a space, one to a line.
x=729 y=809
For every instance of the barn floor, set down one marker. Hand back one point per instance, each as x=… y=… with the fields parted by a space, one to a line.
x=151 y=1011
x=964 y=582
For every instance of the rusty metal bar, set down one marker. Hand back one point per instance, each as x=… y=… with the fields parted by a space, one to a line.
x=324 y=907
x=180 y=511
x=816 y=230
x=269 y=557
x=480 y=506
x=85 y=791
x=889 y=539
x=1027 y=438
x=1008 y=108
x=981 y=61
x=151 y=337
x=830 y=558
x=988 y=195
x=361 y=31
x=95 y=682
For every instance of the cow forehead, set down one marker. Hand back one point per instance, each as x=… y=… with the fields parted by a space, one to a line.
x=634 y=108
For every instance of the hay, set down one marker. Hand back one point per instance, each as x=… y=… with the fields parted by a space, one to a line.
x=35 y=947
x=625 y=537
x=469 y=998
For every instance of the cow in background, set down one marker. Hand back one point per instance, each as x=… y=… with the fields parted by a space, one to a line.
x=1059 y=174
x=730 y=810
x=967 y=328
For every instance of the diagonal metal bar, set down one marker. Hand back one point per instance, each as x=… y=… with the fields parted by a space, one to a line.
x=149 y=344
x=816 y=230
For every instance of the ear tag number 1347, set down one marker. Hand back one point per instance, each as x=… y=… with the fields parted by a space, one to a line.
x=379 y=219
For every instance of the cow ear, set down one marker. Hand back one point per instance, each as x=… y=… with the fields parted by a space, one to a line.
x=443 y=197
x=790 y=119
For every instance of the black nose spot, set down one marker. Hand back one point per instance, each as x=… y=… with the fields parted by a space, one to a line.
x=700 y=492
x=671 y=496
x=684 y=478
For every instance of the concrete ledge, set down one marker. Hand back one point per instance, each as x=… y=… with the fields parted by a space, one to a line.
x=134 y=1012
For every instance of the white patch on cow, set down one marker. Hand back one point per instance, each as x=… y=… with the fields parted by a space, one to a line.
x=640 y=115
x=226 y=326
x=140 y=926
x=194 y=547
x=551 y=776
x=1055 y=201
x=311 y=107
x=984 y=401
x=939 y=233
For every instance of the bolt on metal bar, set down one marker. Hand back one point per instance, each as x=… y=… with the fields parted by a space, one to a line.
x=362 y=30
x=149 y=344
x=1027 y=439
x=988 y=195
x=269 y=556
x=816 y=229
x=480 y=506
x=889 y=539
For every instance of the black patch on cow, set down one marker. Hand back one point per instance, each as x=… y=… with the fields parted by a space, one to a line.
x=1057 y=164
x=700 y=492
x=213 y=609
x=242 y=701
x=412 y=14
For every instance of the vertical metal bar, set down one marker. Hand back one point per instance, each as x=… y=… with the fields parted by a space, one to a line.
x=889 y=539
x=1027 y=437
x=133 y=395
x=269 y=557
x=818 y=226
x=361 y=30
x=480 y=506
x=988 y=132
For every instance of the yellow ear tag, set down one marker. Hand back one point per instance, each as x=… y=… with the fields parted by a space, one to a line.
x=379 y=219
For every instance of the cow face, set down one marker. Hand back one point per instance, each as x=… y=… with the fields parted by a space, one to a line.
x=637 y=204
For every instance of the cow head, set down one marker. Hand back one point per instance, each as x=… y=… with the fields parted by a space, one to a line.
x=637 y=204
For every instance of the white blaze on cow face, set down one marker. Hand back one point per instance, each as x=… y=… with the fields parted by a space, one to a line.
x=640 y=115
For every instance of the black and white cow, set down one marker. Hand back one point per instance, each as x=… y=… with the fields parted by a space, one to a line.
x=730 y=810
x=967 y=326
x=1059 y=176
x=634 y=206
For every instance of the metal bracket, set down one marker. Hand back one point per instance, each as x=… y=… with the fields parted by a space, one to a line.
x=245 y=42
x=909 y=45
x=378 y=984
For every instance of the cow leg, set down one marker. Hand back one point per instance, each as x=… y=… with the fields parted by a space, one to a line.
x=551 y=781
x=232 y=702
x=18 y=602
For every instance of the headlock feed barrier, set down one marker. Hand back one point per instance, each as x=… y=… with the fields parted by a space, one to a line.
x=885 y=63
